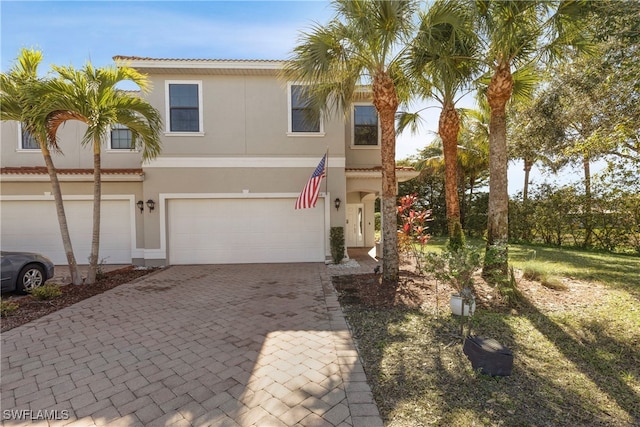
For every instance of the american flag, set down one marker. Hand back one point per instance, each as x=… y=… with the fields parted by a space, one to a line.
x=309 y=196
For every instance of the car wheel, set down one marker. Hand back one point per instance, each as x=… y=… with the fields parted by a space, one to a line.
x=30 y=277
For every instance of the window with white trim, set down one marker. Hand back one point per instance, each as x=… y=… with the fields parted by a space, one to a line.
x=184 y=106
x=365 y=125
x=120 y=137
x=27 y=141
x=302 y=118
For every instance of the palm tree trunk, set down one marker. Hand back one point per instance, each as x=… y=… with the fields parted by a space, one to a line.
x=385 y=100
x=527 y=171
x=448 y=128
x=588 y=215
x=496 y=266
x=76 y=278
x=463 y=200
x=472 y=185
x=526 y=233
x=97 y=195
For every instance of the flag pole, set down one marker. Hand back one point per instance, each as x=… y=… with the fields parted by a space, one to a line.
x=326 y=175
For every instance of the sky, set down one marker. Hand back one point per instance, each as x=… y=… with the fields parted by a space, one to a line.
x=74 y=32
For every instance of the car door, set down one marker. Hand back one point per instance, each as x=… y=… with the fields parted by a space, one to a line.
x=6 y=272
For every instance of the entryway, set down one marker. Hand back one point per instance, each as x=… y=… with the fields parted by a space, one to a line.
x=355 y=225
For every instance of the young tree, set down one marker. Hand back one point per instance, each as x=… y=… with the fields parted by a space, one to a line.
x=362 y=44
x=91 y=96
x=16 y=88
x=536 y=132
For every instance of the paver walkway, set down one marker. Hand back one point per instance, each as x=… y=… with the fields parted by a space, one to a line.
x=263 y=345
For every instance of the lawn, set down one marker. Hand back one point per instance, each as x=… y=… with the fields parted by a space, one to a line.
x=576 y=362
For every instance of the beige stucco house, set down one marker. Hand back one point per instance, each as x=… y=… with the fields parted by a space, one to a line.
x=235 y=156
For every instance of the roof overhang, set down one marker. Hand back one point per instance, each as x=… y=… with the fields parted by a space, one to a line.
x=402 y=173
x=201 y=66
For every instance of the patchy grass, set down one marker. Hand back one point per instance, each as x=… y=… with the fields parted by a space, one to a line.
x=614 y=270
x=575 y=364
x=540 y=272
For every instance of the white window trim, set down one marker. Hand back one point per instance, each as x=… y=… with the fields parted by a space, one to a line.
x=353 y=128
x=167 y=106
x=110 y=148
x=19 y=147
x=290 y=131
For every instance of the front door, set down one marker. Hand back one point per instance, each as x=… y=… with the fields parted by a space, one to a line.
x=355 y=225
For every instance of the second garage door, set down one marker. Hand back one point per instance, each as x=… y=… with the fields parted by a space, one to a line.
x=32 y=225
x=237 y=231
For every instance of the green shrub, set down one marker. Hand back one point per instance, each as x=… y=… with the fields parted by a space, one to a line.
x=46 y=292
x=454 y=267
x=7 y=308
x=336 y=239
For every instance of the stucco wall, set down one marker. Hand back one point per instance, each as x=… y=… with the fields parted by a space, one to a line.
x=72 y=154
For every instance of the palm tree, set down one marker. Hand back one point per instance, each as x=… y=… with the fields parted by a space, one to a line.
x=90 y=95
x=362 y=44
x=517 y=34
x=442 y=61
x=473 y=154
x=15 y=88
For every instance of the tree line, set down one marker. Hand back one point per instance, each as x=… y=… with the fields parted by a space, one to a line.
x=442 y=50
x=583 y=108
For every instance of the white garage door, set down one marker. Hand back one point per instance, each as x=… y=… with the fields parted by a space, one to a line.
x=33 y=226
x=237 y=231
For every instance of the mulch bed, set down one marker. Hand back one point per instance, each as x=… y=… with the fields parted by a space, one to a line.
x=415 y=292
x=30 y=308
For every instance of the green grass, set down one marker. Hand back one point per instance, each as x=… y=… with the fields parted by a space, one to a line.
x=574 y=366
x=614 y=270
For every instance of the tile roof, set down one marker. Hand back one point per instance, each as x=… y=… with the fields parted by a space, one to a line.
x=42 y=170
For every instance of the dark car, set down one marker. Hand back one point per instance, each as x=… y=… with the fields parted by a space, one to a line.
x=23 y=271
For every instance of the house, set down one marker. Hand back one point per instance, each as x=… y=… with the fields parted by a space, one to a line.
x=236 y=152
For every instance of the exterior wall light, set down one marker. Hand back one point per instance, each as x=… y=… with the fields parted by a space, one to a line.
x=151 y=205
x=337 y=203
x=140 y=205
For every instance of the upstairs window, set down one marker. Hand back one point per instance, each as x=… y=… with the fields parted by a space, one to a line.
x=120 y=138
x=365 y=125
x=27 y=141
x=184 y=104
x=302 y=118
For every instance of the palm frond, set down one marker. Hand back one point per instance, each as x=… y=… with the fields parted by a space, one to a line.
x=408 y=120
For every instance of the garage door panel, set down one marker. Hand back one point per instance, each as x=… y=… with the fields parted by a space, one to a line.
x=32 y=225
x=203 y=231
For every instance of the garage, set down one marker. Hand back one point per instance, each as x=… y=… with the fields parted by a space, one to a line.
x=32 y=225
x=244 y=230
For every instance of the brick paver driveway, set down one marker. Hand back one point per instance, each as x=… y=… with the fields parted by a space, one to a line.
x=262 y=345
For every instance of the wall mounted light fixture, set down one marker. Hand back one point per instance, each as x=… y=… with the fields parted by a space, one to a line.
x=337 y=203
x=140 y=204
x=151 y=205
